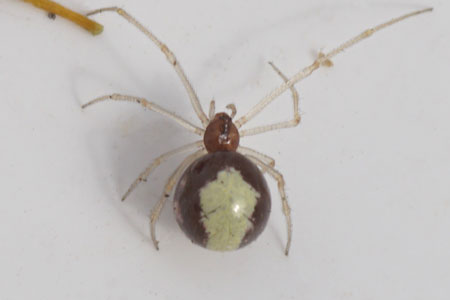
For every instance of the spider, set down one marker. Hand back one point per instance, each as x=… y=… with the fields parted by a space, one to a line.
x=222 y=201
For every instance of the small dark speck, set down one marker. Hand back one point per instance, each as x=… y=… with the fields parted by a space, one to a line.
x=51 y=15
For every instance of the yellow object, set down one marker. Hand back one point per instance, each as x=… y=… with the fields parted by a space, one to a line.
x=53 y=7
x=227 y=203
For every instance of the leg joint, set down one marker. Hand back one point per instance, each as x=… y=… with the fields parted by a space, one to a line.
x=170 y=56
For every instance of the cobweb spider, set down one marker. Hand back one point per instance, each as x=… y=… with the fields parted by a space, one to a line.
x=222 y=201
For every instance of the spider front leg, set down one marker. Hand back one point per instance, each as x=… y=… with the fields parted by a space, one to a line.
x=324 y=59
x=286 y=209
x=156 y=210
x=169 y=55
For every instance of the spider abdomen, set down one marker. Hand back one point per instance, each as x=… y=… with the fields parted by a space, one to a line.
x=222 y=201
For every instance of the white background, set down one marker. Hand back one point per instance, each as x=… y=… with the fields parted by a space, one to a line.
x=367 y=170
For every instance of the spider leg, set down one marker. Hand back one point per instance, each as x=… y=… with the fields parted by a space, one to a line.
x=320 y=61
x=152 y=106
x=169 y=55
x=156 y=162
x=286 y=209
x=287 y=124
x=264 y=158
x=156 y=211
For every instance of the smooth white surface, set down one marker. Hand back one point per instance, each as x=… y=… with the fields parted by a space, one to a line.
x=367 y=170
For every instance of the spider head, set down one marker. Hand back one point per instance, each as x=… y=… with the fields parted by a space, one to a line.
x=221 y=134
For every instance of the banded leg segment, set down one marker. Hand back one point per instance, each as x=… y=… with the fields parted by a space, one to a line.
x=156 y=211
x=150 y=105
x=169 y=55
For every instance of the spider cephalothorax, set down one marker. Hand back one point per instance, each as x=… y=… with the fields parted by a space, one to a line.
x=221 y=134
